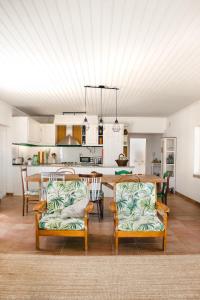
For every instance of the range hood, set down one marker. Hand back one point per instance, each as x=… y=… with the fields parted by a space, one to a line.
x=68 y=140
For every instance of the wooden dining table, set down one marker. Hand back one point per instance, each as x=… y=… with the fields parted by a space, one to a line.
x=107 y=180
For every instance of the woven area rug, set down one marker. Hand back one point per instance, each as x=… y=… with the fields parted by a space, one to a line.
x=99 y=277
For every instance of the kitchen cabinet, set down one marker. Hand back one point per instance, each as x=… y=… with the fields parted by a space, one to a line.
x=92 y=135
x=168 y=159
x=112 y=145
x=47 y=134
x=25 y=130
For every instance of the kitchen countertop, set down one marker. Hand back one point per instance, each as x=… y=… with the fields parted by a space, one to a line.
x=74 y=166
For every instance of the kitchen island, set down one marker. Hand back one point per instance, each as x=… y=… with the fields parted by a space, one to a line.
x=78 y=168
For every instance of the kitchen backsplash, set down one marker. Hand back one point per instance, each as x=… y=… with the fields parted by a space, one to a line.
x=63 y=154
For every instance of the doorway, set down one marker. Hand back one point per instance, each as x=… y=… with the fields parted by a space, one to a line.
x=138 y=155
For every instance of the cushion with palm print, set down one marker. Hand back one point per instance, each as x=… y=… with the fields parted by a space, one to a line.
x=61 y=194
x=142 y=223
x=54 y=222
x=135 y=199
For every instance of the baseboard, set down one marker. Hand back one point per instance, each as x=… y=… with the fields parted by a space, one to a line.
x=188 y=198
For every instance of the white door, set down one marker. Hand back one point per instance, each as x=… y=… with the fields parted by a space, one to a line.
x=138 y=155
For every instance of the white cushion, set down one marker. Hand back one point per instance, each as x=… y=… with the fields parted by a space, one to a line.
x=75 y=210
x=32 y=193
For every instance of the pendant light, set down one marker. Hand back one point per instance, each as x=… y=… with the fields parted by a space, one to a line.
x=116 y=126
x=101 y=116
x=85 y=122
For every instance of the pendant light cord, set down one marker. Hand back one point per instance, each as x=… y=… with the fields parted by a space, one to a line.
x=101 y=103
x=116 y=104
x=85 y=99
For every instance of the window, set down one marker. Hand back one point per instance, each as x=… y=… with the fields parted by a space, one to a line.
x=197 y=150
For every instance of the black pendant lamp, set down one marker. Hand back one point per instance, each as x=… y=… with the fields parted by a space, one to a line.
x=85 y=121
x=101 y=116
x=116 y=126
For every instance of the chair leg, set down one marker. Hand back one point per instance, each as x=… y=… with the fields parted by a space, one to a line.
x=23 y=205
x=101 y=205
x=37 y=241
x=86 y=241
x=98 y=210
x=164 y=243
x=27 y=205
x=116 y=243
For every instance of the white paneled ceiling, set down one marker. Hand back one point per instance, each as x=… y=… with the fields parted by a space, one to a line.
x=50 y=49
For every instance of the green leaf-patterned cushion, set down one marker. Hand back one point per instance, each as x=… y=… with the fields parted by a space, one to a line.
x=61 y=194
x=135 y=199
x=142 y=223
x=55 y=222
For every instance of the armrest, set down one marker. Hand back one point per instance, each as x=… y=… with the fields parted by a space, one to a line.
x=113 y=207
x=162 y=207
x=89 y=208
x=40 y=207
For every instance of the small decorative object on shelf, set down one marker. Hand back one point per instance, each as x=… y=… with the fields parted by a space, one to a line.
x=100 y=135
x=170 y=159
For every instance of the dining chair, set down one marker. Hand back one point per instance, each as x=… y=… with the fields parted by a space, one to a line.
x=165 y=188
x=95 y=189
x=29 y=195
x=66 y=170
x=46 y=177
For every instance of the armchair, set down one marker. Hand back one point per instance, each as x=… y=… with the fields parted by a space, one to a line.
x=65 y=212
x=136 y=212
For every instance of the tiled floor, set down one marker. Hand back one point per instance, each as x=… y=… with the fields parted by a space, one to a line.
x=17 y=233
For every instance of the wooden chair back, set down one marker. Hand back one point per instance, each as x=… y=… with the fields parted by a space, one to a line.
x=65 y=171
x=49 y=176
x=94 y=181
x=23 y=178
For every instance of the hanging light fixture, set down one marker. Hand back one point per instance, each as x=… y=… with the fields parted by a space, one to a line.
x=101 y=116
x=116 y=126
x=85 y=121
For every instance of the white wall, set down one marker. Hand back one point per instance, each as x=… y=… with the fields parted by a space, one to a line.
x=181 y=125
x=141 y=124
x=5 y=144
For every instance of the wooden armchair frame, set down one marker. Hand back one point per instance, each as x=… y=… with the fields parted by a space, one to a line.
x=162 y=210
x=41 y=207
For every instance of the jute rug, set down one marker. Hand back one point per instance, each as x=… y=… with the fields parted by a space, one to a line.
x=99 y=277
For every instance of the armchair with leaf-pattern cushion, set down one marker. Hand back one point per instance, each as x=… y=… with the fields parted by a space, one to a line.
x=136 y=212
x=65 y=212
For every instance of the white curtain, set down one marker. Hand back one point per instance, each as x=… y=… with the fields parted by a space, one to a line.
x=3 y=160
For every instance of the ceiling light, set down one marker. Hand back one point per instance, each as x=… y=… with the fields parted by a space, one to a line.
x=101 y=116
x=116 y=125
x=85 y=121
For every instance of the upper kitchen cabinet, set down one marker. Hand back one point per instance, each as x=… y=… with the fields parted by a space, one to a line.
x=48 y=134
x=25 y=130
x=92 y=135
x=112 y=144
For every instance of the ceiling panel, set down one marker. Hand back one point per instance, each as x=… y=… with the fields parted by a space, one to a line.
x=50 y=49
